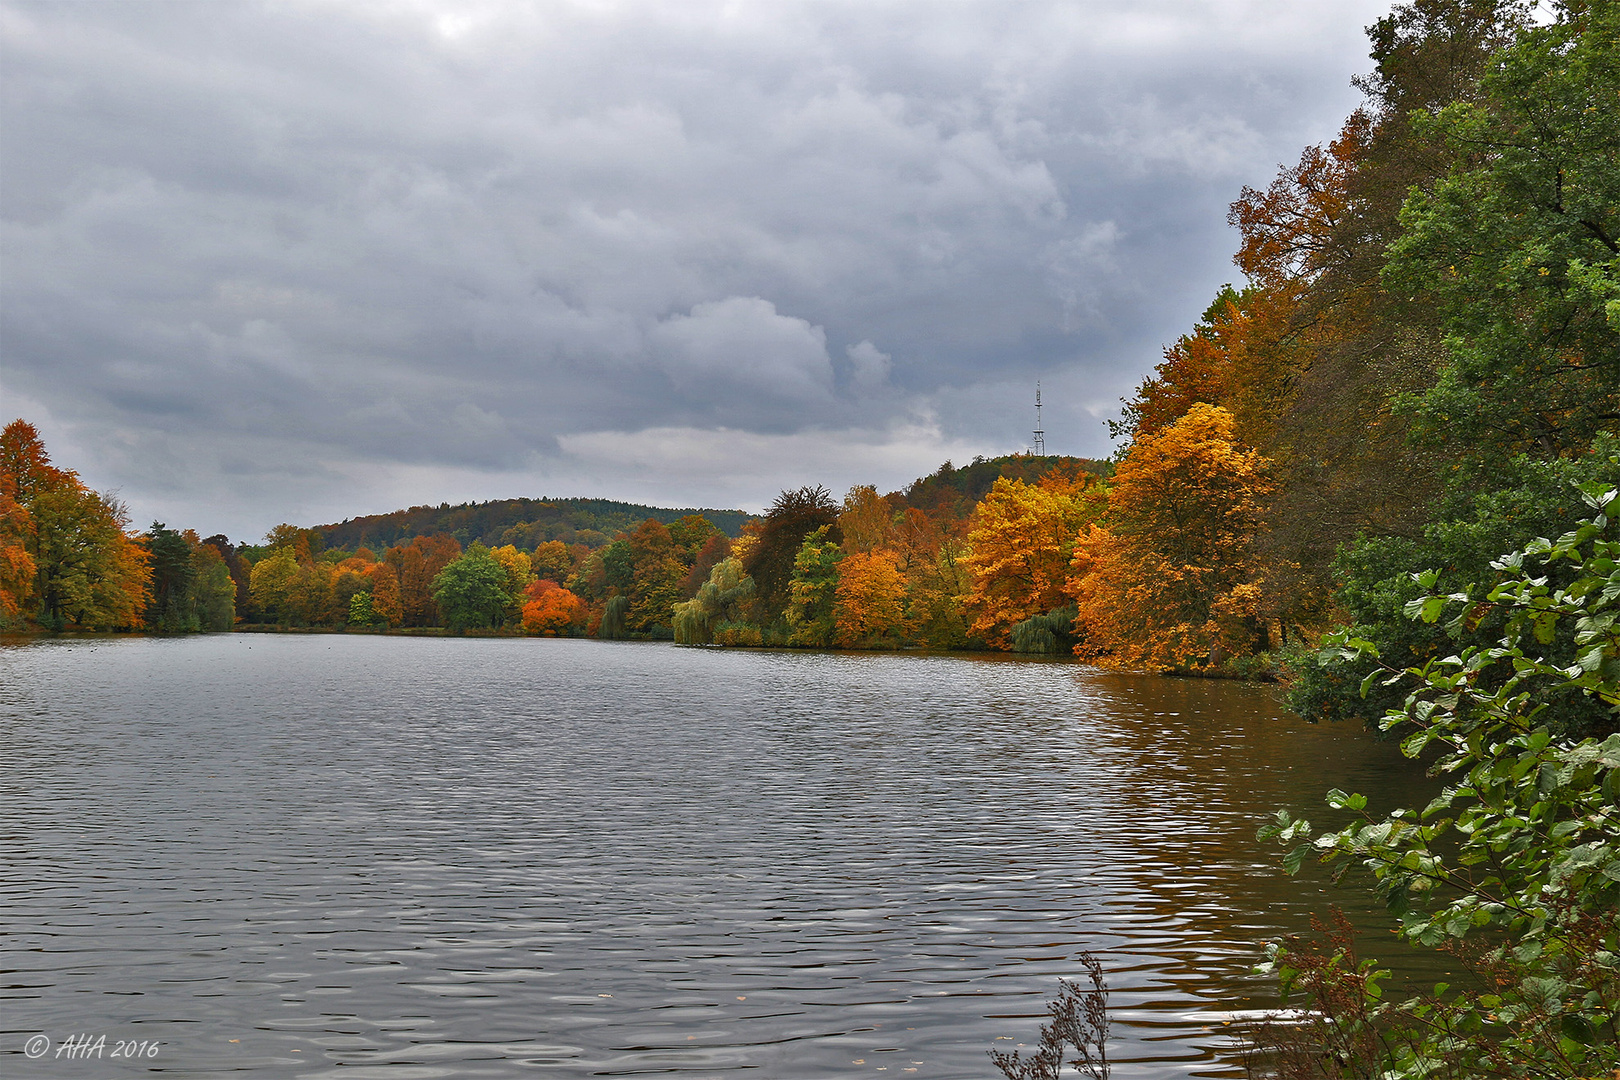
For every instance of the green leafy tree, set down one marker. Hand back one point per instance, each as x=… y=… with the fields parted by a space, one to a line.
x=361 y=610
x=471 y=590
x=170 y=608
x=1520 y=244
x=241 y=573
x=612 y=627
x=770 y=560
x=1515 y=867
x=619 y=566
x=720 y=600
x=348 y=578
x=213 y=591
x=1473 y=525
x=812 y=590
x=91 y=571
x=657 y=572
x=1051 y=634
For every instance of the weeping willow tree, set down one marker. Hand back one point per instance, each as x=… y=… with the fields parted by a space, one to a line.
x=613 y=627
x=1052 y=633
x=718 y=601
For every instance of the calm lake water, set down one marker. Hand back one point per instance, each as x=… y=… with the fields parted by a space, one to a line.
x=311 y=856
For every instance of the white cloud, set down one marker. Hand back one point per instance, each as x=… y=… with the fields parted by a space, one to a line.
x=748 y=469
x=740 y=346
x=291 y=258
x=869 y=367
x=1083 y=269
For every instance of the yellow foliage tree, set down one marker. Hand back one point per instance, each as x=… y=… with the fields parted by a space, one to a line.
x=1020 y=546
x=519 y=573
x=1172 y=580
x=270 y=585
x=866 y=520
x=87 y=568
x=552 y=561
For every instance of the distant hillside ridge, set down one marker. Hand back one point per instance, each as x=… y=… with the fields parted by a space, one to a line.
x=954 y=491
x=526 y=523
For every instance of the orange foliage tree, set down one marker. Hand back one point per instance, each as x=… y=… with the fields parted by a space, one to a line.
x=1172 y=580
x=88 y=568
x=415 y=566
x=869 y=608
x=16 y=564
x=385 y=603
x=552 y=609
x=1290 y=230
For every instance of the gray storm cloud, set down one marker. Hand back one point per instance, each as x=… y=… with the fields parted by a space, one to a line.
x=288 y=261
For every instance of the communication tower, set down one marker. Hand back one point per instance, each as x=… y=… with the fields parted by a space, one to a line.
x=1040 y=434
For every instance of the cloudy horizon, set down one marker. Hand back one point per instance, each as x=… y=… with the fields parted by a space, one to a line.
x=300 y=262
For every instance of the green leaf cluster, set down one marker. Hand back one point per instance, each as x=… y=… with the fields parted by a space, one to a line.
x=720 y=599
x=811 y=589
x=1516 y=864
x=1381 y=577
x=471 y=591
x=1050 y=634
x=1520 y=244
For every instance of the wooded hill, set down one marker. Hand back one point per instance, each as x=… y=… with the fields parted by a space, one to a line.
x=527 y=523
x=953 y=492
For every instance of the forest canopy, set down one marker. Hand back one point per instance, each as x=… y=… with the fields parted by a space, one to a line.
x=524 y=522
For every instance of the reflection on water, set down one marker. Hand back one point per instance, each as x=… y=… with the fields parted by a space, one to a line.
x=413 y=858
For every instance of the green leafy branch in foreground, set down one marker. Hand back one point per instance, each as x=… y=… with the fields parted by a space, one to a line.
x=1515 y=867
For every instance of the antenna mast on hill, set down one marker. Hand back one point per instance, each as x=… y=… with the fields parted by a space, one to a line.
x=1040 y=434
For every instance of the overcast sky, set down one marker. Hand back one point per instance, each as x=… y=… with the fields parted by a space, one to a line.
x=270 y=262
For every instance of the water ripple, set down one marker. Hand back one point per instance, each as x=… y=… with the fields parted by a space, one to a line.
x=312 y=856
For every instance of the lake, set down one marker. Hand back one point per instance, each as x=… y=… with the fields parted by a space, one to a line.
x=362 y=856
